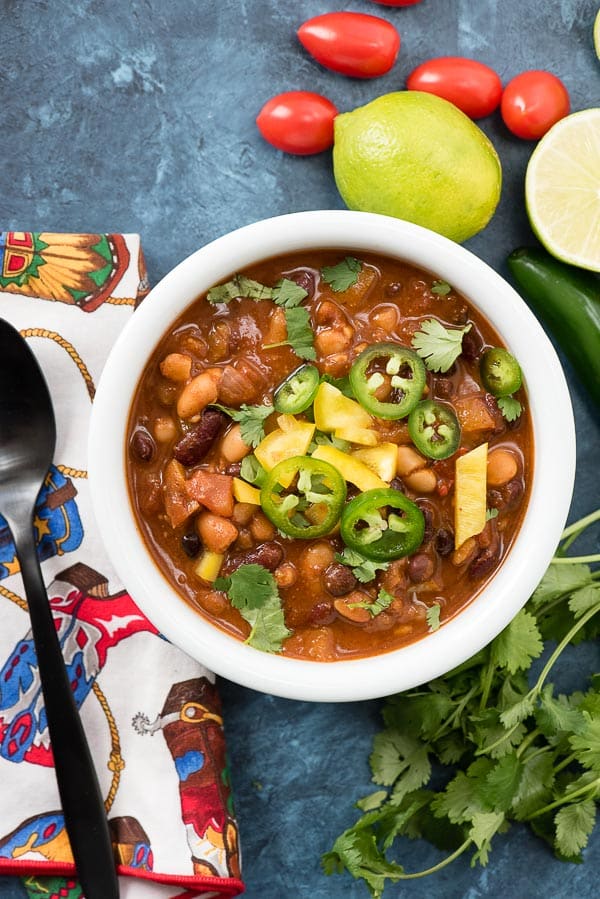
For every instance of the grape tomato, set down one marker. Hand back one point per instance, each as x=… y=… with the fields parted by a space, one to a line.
x=298 y=122
x=472 y=86
x=351 y=43
x=533 y=102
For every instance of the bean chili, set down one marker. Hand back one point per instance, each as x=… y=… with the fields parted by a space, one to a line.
x=204 y=438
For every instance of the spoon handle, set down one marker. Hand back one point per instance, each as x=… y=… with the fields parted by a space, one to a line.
x=80 y=795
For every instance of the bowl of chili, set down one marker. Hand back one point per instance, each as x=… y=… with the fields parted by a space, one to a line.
x=331 y=455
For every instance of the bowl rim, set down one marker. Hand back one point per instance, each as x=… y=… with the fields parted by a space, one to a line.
x=550 y=493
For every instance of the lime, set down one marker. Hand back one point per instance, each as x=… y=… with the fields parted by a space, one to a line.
x=562 y=189
x=417 y=157
x=597 y=34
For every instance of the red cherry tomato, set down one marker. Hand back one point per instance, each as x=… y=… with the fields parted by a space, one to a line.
x=532 y=102
x=298 y=122
x=470 y=85
x=396 y=2
x=351 y=43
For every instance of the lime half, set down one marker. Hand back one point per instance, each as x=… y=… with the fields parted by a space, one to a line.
x=562 y=189
x=597 y=34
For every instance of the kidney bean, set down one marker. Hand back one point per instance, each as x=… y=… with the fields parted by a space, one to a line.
x=234 y=469
x=269 y=555
x=472 y=344
x=420 y=568
x=485 y=560
x=321 y=613
x=513 y=492
x=142 y=445
x=338 y=579
x=444 y=542
x=191 y=544
x=194 y=446
x=306 y=280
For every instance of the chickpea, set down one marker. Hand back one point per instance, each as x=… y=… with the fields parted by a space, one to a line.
x=409 y=460
x=334 y=340
x=501 y=468
x=385 y=317
x=277 y=332
x=242 y=513
x=217 y=533
x=421 y=481
x=198 y=393
x=316 y=559
x=165 y=430
x=286 y=575
x=261 y=528
x=176 y=367
x=233 y=448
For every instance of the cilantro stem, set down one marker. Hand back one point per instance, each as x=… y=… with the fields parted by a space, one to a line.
x=487 y=680
x=578 y=526
x=564 y=799
x=449 y=722
x=565 y=762
x=574 y=560
x=528 y=741
x=446 y=861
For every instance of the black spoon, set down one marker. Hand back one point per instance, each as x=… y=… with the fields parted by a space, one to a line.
x=27 y=440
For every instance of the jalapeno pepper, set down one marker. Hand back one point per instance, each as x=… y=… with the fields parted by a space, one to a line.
x=383 y=524
x=434 y=429
x=298 y=391
x=500 y=372
x=388 y=380
x=312 y=504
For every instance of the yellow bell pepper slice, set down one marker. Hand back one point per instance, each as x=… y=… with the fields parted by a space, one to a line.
x=470 y=494
x=287 y=422
x=245 y=493
x=382 y=459
x=334 y=410
x=209 y=566
x=351 y=469
x=280 y=445
x=363 y=436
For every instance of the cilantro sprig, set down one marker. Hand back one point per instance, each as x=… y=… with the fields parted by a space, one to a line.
x=253 y=591
x=251 y=420
x=343 y=275
x=510 y=407
x=285 y=293
x=363 y=569
x=300 y=335
x=377 y=606
x=439 y=347
x=515 y=749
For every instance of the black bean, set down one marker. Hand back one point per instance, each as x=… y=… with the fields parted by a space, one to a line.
x=513 y=492
x=269 y=555
x=427 y=511
x=472 y=344
x=444 y=542
x=191 y=544
x=443 y=387
x=306 y=280
x=194 y=446
x=420 y=568
x=485 y=560
x=495 y=500
x=142 y=445
x=338 y=579
x=393 y=289
x=396 y=484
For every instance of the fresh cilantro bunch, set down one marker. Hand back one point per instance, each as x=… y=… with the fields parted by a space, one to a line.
x=511 y=749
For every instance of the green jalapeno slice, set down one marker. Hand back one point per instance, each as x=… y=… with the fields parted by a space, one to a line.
x=500 y=372
x=434 y=429
x=312 y=503
x=298 y=391
x=383 y=524
x=388 y=380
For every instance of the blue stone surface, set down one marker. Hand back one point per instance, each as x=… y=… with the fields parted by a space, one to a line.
x=139 y=116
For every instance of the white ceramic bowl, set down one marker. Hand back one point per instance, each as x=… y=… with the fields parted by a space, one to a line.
x=549 y=500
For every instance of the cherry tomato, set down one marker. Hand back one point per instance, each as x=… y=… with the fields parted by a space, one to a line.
x=470 y=85
x=298 y=122
x=532 y=102
x=351 y=43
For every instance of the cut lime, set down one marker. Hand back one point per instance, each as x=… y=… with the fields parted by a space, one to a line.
x=562 y=189
x=597 y=34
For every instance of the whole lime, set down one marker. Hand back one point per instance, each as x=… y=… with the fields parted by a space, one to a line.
x=417 y=157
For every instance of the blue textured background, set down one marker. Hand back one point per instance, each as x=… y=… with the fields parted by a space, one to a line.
x=139 y=116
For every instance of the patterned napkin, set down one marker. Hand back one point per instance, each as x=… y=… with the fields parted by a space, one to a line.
x=151 y=714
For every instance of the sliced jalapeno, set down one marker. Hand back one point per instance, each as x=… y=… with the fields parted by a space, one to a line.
x=388 y=380
x=434 y=429
x=383 y=524
x=500 y=372
x=312 y=504
x=298 y=391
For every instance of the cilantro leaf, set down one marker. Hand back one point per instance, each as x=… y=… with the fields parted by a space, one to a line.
x=560 y=580
x=555 y=717
x=288 y=294
x=491 y=513
x=583 y=599
x=343 y=275
x=459 y=802
x=574 y=824
x=510 y=407
x=363 y=569
x=586 y=742
x=501 y=784
x=300 y=336
x=401 y=760
x=518 y=643
x=239 y=286
x=438 y=346
x=535 y=787
x=372 y=801
x=358 y=852
x=441 y=288
x=485 y=825
x=433 y=616
x=384 y=599
x=253 y=591
x=251 y=420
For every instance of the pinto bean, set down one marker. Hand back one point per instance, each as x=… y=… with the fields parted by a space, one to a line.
x=142 y=445
x=233 y=448
x=409 y=460
x=194 y=446
x=269 y=555
x=199 y=392
x=422 y=481
x=339 y=579
x=261 y=528
x=501 y=467
x=217 y=533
